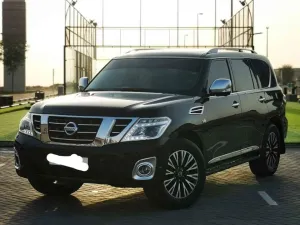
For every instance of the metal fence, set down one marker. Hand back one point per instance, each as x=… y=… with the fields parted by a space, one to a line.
x=238 y=31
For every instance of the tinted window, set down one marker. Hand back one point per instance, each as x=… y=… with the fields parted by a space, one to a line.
x=218 y=69
x=242 y=75
x=152 y=74
x=261 y=72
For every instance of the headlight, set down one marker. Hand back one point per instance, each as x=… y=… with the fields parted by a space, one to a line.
x=147 y=129
x=25 y=126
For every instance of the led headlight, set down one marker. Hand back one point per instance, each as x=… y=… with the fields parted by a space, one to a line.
x=147 y=129
x=25 y=126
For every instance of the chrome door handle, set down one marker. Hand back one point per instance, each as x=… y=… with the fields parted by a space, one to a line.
x=236 y=104
x=261 y=99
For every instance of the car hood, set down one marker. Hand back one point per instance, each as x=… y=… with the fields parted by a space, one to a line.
x=119 y=104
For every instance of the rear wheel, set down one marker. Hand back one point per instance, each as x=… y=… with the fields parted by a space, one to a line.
x=183 y=180
x=48 y=186
x=269 y=159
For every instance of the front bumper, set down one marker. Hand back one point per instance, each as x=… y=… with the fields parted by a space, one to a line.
x=110 y=164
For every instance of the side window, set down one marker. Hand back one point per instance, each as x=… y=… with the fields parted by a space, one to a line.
x=218 y=69
x=242 y=75
x=261 y=72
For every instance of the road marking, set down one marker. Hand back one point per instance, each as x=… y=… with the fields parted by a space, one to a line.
x=2 y=164
x=267 y=198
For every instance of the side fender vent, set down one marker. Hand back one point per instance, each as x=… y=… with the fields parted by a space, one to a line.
x=197 y=110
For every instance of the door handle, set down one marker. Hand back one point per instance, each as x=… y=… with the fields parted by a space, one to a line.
x=235 y=104
x=261 y=99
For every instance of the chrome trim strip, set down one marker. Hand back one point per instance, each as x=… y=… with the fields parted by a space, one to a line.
x=69 y=139
x=233 y=154
x=102 y=136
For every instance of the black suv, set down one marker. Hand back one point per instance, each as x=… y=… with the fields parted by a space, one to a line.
x=162 y=120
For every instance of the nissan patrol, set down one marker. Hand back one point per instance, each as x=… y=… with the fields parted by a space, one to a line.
x=162 y=120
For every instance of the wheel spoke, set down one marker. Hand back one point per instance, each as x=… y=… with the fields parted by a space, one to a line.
x=178 y=193
x=194 y=176
x=185 y=190
x=167 y=182
x=170 y=163
x=190 y=158
x=183 y=154
x=168 y=172
x=172 y=189
x=193 y=167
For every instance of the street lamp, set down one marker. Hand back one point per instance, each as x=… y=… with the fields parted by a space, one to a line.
x=185 y=39
x=267 y=42
x=199 y=14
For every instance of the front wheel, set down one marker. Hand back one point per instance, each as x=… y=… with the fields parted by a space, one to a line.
x=184 y=177
x=269 y=159
x=51 y=187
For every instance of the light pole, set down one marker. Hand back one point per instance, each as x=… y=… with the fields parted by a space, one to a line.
x=267 y=42
x=185 y=39
x=215 y=38
x=140 y=22
x=177 y=23
x=199 y=14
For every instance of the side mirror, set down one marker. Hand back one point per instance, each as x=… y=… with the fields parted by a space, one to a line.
x=83 y=82
x=220 y=87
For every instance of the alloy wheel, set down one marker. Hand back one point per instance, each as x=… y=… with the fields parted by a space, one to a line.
x=272 y=151
x=181 y=174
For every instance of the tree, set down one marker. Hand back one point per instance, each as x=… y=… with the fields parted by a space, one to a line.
x=287 y=74
x=12 y=53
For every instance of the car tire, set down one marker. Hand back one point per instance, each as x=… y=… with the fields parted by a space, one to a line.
x=269 y=159
x=48 y=186
x=183 y=180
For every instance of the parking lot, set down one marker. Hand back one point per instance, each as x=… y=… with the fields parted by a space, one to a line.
x=232 y=197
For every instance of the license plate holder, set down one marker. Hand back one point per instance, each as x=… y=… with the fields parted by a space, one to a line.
x=73 y=161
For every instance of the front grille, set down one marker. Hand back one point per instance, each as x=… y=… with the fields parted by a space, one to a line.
x=119 y=126
x=86 y=133
x=37 y=123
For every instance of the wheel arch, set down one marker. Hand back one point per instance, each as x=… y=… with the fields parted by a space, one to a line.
x=277 y=122
x=193 y=137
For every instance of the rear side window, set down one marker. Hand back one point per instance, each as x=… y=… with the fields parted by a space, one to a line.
x=242 y=75
x=218 y=69
x=261 y=72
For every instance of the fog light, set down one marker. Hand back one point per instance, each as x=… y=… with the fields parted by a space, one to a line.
x=144 y=169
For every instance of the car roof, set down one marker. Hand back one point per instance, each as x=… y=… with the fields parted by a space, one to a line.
x=193 y=53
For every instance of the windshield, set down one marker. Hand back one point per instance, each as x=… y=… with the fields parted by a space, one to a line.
x=164 y=75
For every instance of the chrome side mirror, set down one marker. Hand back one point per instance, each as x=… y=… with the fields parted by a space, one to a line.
x=83 y=83
x=220 y=87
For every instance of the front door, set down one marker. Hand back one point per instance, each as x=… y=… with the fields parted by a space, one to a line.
x=221 y=118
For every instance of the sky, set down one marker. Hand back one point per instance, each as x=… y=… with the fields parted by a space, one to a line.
x=45 y=29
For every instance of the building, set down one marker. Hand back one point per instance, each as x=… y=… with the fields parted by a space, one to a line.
x=296 y=80
x=14 y=28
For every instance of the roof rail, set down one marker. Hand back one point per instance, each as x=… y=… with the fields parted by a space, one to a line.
x=216 y=50
x=139 y=49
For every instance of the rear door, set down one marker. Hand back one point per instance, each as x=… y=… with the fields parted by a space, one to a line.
x=254 y=108
x=221 y=118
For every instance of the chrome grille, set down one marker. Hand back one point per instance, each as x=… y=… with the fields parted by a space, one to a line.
x=119 y=126
x=36 y=123
x=85 y=134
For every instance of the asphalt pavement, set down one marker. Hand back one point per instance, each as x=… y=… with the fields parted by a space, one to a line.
x=234 y=197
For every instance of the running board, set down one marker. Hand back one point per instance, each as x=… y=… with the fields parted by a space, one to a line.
x=232 y=162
